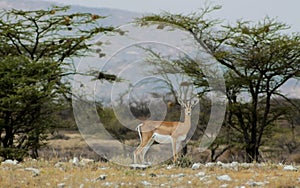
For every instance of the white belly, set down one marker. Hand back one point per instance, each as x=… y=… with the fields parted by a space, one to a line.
x=181 y=138
x=162 y=139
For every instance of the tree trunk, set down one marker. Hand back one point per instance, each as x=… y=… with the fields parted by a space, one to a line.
x=252 y=153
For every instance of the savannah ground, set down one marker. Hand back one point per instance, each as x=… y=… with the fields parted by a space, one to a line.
x=55 y=170
x=100 y=174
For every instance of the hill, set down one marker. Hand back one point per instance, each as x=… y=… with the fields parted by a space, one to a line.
x=115 y=17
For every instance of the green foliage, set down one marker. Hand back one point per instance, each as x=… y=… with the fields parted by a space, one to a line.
x=184 y=161
x=35 y=52
x=113 y=125
x=13 y=153
x=197 y=22
x=49 y=33
x=28 y=97
x=257 y=59
x=260 y=59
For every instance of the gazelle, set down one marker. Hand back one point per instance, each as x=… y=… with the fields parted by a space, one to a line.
x=164 y=132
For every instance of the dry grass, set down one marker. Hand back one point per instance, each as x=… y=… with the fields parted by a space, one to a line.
x=51 y=175
x=57 y=171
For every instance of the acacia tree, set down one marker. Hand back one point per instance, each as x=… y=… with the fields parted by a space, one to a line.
x=257 y=59
x=36 y=53
x=263 y=59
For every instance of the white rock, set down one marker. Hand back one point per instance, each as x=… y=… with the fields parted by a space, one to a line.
x=103 y=168
x=86 y=161
x=290 y=168
x=180 y=175
x=234 y=163
x=108 y=184
x=145 y=183
x=255 y=183
x=58 y=164
x=75 y=161
x=224 y=178
x=210 y=164
x=81 y=185
x=35 y=171
x=169 y=167
x=200 y=174
x=139 y=166
x=208 y=182
x=11 y=162
x=240 y=186
x=224 y=186
x=61 y=185
x=261 y=164
x=101 y=177
x=204 y=178
x=246 y=165
x=196 y=166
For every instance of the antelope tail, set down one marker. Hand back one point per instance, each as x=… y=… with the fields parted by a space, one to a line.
x=138 y=128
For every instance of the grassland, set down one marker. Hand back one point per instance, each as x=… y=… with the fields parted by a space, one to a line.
x=55 y=169
x=100 y=174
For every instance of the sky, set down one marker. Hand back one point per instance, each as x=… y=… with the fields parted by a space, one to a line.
x=253 y=10
x=286 y=11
